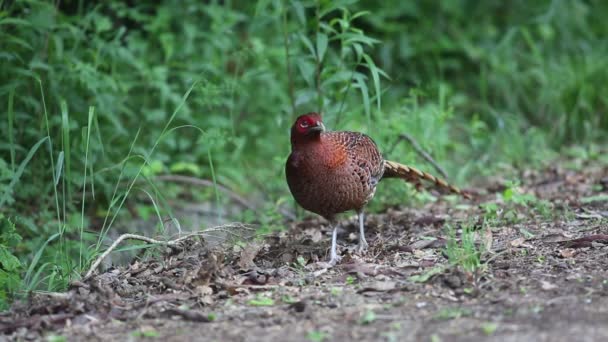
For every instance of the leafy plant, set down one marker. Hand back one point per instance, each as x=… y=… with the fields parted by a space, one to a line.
x=10 y=266
x=463 y=252
x=261 y=301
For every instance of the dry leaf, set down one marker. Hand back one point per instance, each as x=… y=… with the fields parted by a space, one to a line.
x=567 y=252
x=547 y=286
x=248 y=254
x=361 y=268
x=379 y=286
x=517 y=242
x=488 y=238
x=427 y=243
x=204 y=294
x=315 y=235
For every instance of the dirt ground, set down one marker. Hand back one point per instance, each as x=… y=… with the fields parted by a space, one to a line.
x=542 y=276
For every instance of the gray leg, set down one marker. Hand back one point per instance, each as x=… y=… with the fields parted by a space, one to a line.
x=335 y=258
x=362 y=243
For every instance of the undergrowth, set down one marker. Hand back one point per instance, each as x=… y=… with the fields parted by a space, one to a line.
x=105 y=99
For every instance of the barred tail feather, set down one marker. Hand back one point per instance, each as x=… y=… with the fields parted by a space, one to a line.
x=413 y=175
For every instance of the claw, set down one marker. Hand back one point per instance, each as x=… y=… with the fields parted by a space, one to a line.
x=362 y=248
x=334 y=260
x=362 y=242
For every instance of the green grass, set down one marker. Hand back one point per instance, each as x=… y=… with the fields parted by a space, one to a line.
x=464 y=252
x=102 y=98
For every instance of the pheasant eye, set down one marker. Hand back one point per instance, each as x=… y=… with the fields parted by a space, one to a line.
x=304 y=124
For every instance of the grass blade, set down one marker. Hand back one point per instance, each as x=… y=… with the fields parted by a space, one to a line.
x=65 y=142
x=11 y=121
x=146 y=160
x=30 y=269
x=59 y=168
x=48 y=135
x=17 y=175
x=84 y=181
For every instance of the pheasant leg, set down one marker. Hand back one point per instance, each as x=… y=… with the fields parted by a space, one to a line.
x=335 y=258
x=362 y=242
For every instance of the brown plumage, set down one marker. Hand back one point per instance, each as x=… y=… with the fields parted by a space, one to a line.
x=332 y=172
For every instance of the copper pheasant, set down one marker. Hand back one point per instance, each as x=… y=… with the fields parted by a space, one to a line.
x=333 y=172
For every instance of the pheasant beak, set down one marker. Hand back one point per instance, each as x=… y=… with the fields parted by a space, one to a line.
x=319 y=127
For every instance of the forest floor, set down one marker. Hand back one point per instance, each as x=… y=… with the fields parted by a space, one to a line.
x=538 y=271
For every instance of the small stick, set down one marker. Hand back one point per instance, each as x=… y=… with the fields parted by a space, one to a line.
x=156 y=242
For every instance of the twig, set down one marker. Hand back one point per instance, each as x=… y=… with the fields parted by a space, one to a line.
x=421 y=152
x=173 y=242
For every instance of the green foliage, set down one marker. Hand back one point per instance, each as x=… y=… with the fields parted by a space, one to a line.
x=102 y=97
x=10 y=266
x=261 y=301
x=452 y=313
x=427 y=275
x=317 y=336
x=368 y=317
x=503 y=61
x=463 y=252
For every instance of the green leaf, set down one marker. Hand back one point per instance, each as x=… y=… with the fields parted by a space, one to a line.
x=316 y=336
x=186 y=167
x=32 y=266
x=9 y=262
x=321 y=45
x=375 y=76
x=489 y=328
x=261 y=301
x=424 y=277
x=369 y=317
x=308 y=44
x=59 y=166
x=595 y=198
x=102 y=23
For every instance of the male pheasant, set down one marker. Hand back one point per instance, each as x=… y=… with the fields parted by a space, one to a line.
x=332 y=172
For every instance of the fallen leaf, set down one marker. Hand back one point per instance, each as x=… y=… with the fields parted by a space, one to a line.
x=361 y=268
x=517 y=242
x=204 y=294
x=248 y=254
x=547 y=286
x=488 y=238
x=379 y=286
x=315 y=235
x=424 y=277
x=427 y=243
x=567 y=252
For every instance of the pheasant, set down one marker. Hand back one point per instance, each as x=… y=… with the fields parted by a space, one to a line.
x=333 y=172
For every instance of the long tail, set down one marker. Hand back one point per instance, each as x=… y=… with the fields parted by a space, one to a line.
x=413 y=175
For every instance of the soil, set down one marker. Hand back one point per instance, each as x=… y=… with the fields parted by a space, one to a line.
x=542 y=249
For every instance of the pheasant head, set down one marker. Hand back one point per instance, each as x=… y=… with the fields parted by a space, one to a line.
x=307 y=129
